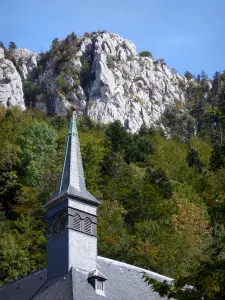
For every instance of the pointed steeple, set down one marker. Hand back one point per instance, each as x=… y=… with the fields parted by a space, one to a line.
x=71 y=216
x=72 y=172
x=72 y=180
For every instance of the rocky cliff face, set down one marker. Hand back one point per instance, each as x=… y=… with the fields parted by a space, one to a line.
x=128 y=87
x=99 y=74
x=26 y=62
x=11 y=90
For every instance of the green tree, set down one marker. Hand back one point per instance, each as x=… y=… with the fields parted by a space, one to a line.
x=113 y=236
x=204 y=76
x=14 y=260
x=93 y=151
x=61 y=82
x=30 y=92
x=194 y=161
x=206 y=282
x=161 y=181
x=2 y=45
x=12 y=46
x=22 y=247
x=37 y=152
x=10 y=186
x=207 y=278
x=188 y=75
x=145 y=54
x=217 y=159
x=117 y=135
x=55 y=43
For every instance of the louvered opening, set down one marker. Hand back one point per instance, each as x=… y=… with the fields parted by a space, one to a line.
x=76 y=222
x=62 y=222
x=54 y=227
x=87 y=225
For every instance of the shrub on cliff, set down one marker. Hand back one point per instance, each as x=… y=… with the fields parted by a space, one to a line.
x=145 y=54
x=12 y=46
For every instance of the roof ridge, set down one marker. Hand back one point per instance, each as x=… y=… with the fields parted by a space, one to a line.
x=122 y=264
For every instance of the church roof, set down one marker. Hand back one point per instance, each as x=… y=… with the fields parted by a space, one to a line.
x=72 y=182
x=123 y=282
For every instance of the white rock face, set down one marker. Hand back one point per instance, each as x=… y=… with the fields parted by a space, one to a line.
x=130 y=88
x=11 y=90
x=122 y=85
x=125 y=86
x=26 y=61
x=2 y=55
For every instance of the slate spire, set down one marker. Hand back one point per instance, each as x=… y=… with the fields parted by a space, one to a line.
x=72 y=216
x=72 y=172
x=72 y=181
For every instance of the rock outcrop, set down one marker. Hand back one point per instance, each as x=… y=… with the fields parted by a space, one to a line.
x=100 y=75
x=11 y=89
x=26 y=62
x=128 y=87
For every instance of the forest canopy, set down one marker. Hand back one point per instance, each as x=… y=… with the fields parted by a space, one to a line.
x=161 y=191
x=162 y=199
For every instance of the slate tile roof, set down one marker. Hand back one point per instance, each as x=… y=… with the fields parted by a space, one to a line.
x=24 y=288
x=123 y=283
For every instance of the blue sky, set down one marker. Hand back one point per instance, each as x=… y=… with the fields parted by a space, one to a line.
x=189 y=35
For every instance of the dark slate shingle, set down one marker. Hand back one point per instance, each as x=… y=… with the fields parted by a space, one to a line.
x=25 y=288
x=123 y=282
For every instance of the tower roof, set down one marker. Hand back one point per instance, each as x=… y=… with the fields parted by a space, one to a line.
x=72 y=180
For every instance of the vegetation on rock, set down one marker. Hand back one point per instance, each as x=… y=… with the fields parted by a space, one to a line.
x=145 y=54
x=12 y=46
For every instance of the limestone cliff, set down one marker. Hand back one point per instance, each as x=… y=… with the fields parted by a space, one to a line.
x=26 y=61
x=99 y=74
x=11 y=90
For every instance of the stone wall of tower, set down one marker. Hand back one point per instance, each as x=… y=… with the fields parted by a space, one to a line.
x=82 y=251
x=70 y=249
x=83 y=247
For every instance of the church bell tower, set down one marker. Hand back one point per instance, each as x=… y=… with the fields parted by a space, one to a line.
x=72 y=216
